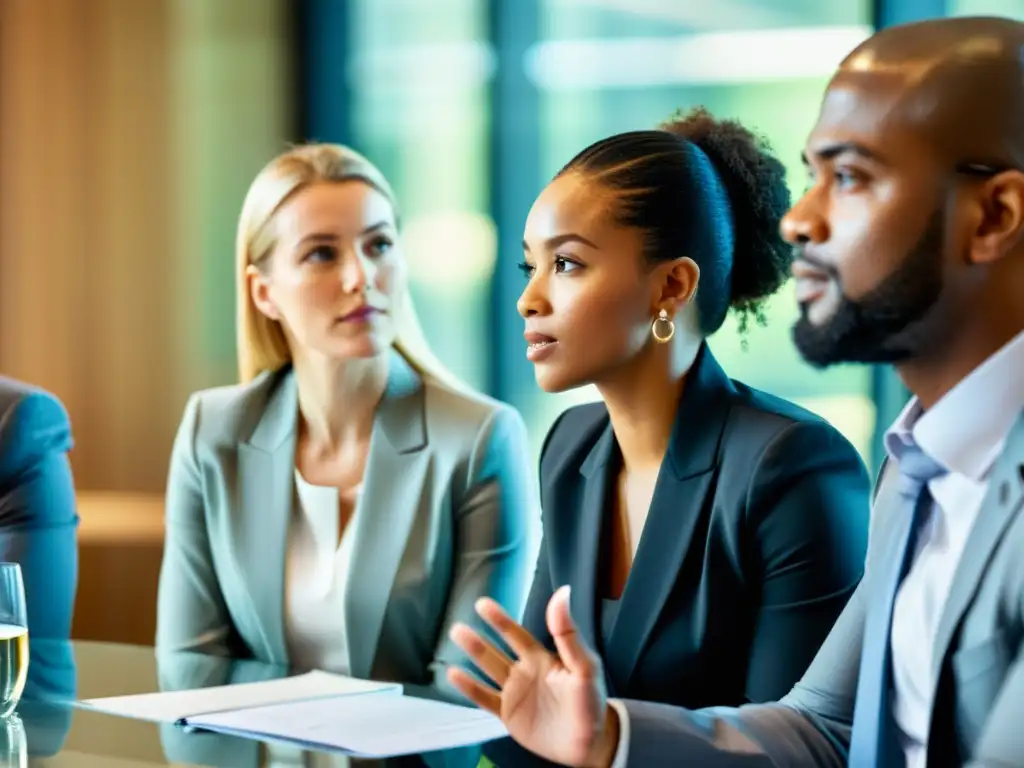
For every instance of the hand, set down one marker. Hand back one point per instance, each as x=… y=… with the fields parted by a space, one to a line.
x=552 y=705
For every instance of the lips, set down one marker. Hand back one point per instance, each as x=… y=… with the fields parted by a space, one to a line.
x=802 y=270
x=811 y=282
x=809 y=291
x=359 y=313
x=539 y=346
x=535 y=339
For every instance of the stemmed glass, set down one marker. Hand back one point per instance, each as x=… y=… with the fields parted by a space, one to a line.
x=13 y=638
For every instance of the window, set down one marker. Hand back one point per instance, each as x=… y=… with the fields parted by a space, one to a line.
x=1014 y=9
x=418 y=74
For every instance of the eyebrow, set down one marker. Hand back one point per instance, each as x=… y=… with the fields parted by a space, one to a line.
x=568 y=237
x=320 y=237
x=831 y=151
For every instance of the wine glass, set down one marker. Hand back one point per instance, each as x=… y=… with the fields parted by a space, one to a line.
x=13 y=638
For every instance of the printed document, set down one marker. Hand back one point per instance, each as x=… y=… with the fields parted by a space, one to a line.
x=177 y=706
x=365 y=726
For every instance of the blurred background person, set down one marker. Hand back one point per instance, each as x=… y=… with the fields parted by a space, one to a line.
x=710 y=533
x=38 y=517
x=349 y=500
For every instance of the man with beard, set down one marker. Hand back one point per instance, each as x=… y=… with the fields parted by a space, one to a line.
x=910 y=251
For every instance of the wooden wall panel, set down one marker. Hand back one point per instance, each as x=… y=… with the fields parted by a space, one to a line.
x=128 y=134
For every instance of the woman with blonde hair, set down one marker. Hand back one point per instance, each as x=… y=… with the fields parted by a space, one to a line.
x=349 y=501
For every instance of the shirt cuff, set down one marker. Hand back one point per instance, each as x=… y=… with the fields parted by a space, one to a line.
x=622 y=750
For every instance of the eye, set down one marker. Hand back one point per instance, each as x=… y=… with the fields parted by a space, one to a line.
x=379 y=246
x=526 y=269
x=846 y=178
x=563 y=264
x=321 y=254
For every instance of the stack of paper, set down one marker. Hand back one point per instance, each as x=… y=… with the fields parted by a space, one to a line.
x=179 y=706
x=316 y=710
x=374 y=726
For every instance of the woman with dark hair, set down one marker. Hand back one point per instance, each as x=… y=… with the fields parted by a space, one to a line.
x=710 y=533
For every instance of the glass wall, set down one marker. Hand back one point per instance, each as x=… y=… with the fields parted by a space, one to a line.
x=1012 y=8
x=419 y=74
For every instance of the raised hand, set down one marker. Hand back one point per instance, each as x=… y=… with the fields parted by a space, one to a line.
x=552 y=705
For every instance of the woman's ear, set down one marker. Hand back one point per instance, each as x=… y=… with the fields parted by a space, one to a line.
x=678 y=283
x=259 y=290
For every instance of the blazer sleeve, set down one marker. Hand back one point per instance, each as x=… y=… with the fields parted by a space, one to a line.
x=808 y=511
x=38 y=518
x=1000 y=743
x=493 y=526
x=191 y=612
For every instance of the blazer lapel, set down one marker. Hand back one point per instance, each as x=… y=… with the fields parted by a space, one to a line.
x=1002 y=501
x=266 y=467
x=586 y=543
x=678 y=512
x=392 y=499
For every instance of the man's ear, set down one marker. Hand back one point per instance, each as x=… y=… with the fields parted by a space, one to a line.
x=259 y=290
x=1001 y=223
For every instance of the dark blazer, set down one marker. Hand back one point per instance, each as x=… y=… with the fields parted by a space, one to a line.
x=755 y=539
x=38 y=521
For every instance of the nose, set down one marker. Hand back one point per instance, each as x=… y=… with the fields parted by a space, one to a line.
x=533 y=300
x=804 y=223
x=355 y=273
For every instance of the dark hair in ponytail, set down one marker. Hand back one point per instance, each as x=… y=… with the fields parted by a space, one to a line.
x=707 y=189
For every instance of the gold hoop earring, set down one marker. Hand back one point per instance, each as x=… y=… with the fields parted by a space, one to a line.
x=664 y=320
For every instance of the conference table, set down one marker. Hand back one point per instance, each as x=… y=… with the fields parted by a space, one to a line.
x=53 y=732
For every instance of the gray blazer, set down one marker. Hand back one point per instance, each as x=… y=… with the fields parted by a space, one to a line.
x=448 y=501
x=977 y=716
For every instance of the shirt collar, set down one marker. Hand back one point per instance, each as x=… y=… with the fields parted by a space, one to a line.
x=965 y=431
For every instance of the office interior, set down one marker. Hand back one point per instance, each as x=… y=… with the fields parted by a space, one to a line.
x=130 y=131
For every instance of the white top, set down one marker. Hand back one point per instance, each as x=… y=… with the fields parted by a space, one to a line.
x=636 y=519
x=316 y=577
x=965 y=432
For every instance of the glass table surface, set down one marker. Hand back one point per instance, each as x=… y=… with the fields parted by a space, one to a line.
x=54 y=732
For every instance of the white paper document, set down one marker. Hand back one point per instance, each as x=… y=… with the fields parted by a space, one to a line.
x=365 y=726
x=173 y=706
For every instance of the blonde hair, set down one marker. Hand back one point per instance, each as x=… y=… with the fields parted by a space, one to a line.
x=262 y=345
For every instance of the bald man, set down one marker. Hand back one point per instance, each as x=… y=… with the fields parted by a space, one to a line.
x=910 y=251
